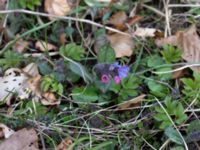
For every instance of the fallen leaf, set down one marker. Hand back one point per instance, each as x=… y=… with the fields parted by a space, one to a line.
x=188 y=42
x=23 y=139
x=43 y=46
x=57 y=7
x=134 y=19
x=118 y=19
x=62 y=38
x=2 y=4
x=178 y=74
x=172 y=40
x=145 y=32
x=131 y=103
x=49 y=99
x=5 y=131
x=11 y=83
x=64 y=145
x=123 y=45
x=20 y=46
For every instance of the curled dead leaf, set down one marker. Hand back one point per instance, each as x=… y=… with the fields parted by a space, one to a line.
x=49 y=99
x=131 y=103
x=5 y=131
x=64 y=144
x=43 y=46
x=123 y=45
x=118 y=19
x=20 y=46
x=57 y=7
x=23 y=139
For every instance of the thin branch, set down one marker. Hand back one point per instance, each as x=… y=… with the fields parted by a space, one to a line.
x=62 y=17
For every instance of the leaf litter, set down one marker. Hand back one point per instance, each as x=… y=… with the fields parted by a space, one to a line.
x=70 y=94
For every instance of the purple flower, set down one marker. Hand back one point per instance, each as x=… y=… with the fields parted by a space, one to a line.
x=114 y=65
x=123 y=71
x=117 y=79
x=104 y=78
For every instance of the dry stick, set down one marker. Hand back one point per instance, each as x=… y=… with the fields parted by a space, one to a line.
x=167 y=17
x=158 y=12
x=184 y=5
x=63 y=17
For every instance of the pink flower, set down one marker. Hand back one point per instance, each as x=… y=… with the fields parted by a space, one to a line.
x=117 y=79
x=105 y=78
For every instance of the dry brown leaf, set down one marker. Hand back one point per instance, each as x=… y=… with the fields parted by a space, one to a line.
x=43 y=46
x=118 y=19
x=188 y=42
x=145 y=32
x=2 y=4
x=62 y=38
x=49 y=99
x=172 y=40
x=5 y=131
x=64 y=145
x=21 y=46
x=178 y=74
x=21 y=140
x=57 y=7
x=123 y=45
x=131 y=103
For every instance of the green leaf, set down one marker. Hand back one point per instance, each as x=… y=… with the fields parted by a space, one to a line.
x=171 y=54
x=177 y=148
x=72 y=51
x=161 y=117
x=164 y=76
x=106 y=54
x=173 y=135
x=80 y=70
x=11 y=59
x=157 y=89
x=154 y=60
x=87 y=95
x=193 y=126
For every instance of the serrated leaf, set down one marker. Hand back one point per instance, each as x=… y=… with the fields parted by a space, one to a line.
x=72 y=51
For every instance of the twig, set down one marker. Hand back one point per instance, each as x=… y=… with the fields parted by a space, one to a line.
x=63 y=17
x=158 y=12
x=183 y=5
x=175 y=70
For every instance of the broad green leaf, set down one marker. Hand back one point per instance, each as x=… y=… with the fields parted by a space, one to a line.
x=173 y=135
x=106 y=54
x=154 y=61
x=80 y=70
x=87 y=95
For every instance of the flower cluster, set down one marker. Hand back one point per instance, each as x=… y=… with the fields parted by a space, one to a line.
x=116 y=71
